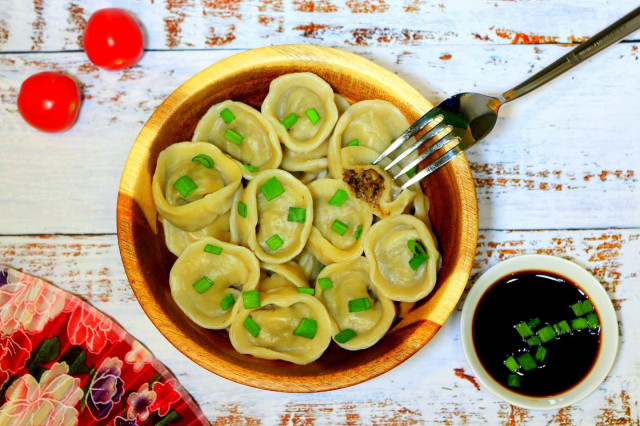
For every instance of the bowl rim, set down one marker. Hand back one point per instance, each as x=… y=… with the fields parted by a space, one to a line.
x=590 y=286
x=416 y=337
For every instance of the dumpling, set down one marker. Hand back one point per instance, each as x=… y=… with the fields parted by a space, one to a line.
x=275 y=276
x=361 y=315
x=373 y=124
x=194 y=183
x=340 y=221
x=287 y=325
x=309 y=264
x=243 y=133
x=372 y=184
x=302 y=109
x=208 y=278
x=177 y=240
x=403 y=258
x=313 y=161
x=273 y=216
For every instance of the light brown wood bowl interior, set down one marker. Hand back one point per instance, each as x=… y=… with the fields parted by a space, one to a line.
x=245 y=77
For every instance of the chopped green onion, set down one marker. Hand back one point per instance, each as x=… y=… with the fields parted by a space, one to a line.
x=411 y=173
x=534 y=323
x=541 y=353
x=339 y=198
x=511 y=364
x=416 y=248
x=307 y=328
x=556 y=328
x=533 y=341
x=185 y=186
x=204 y=159
x=242 y=209
x=306 y=290
x=358 y=232
x=582 y=308
x=524 y=330
x=272 y=188
x=251 y=299
x=313 y=115
x=345 y=335
x=203 y=284
x=233 y=137
x=339 y=227
x=274 y=242
x=593 y=321
x=546 y=333
x=227 y=115
x=579 y=323
x=297 y=214
x=354 y=142
x=227 y=302
x=251 y=326
x=325 y=283
x=359 y=305
x=210 y=248
x=526 y=361
x=289 y=120
x=416 y=261
x=513 y=381
x=250 y=168
x=564 y=327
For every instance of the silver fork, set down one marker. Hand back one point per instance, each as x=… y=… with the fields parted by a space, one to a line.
x=462 y=120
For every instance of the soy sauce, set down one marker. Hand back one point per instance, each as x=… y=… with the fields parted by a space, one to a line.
x=523 y=297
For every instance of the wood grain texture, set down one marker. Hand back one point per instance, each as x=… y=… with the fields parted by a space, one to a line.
x=580 y=174
x=435 y=386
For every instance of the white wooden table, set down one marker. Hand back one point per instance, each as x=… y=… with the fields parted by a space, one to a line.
x=560 y=175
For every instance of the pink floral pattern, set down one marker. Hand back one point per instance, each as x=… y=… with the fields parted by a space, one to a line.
x=62 y=362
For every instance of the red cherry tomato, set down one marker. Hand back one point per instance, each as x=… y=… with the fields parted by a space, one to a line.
x=113 y=39
x=49 y=101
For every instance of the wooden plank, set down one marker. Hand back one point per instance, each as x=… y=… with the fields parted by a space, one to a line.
x=552 y=162
x=52 y=25
x=435 y=386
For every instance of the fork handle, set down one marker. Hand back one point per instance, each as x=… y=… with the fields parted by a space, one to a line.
x=613 y=33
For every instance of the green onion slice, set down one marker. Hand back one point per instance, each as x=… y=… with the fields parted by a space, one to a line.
x=307 y=328
x=417 y=248
x=582 y=308
x=564 y=327
x=306 y=290
x=416 y=261
x=233 y=137
x=251 y=168
x=251 y=299
x=541 y=353
x=526 y=361
x=251 y=327
x=203 y=284
x=579 y=323
x=593 y=321
x=204 y=159
x=511 y=364
x=227 y=302
x=325 y=283
x=534 y=323
x=313 y=115
x=289 y=120
x=524 y=330
x=339 y=227
x=411 y=173
x=354 y=142
x=272 y=188
x=546 y=333
x=345 y=335
x=533 y=341
x=297 y=214
x=359 y=305
x=274 y=242
x=227 y=115
x=358 y=232
x=339 y=198
x=513 y=381
x=210 y=248
x=242 y=209
x=185 y=186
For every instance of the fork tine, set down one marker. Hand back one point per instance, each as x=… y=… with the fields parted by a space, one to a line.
x=442 y=139
x=425 y=138
x=439 y=162
x=420 y=124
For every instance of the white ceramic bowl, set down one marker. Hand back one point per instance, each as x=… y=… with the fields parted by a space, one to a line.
x=589 y=285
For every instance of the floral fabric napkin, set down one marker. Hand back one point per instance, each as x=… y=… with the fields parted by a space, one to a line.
x=63 y=362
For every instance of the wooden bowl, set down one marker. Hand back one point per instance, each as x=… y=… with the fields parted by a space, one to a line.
x=245 y=77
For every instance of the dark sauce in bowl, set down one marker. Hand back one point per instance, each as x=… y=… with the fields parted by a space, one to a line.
x=522 y=297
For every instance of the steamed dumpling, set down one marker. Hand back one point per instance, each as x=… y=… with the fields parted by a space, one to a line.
x=177 y=240
x=248 y=136
x=193 y=184
x=305 y=104
x=394 y=269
